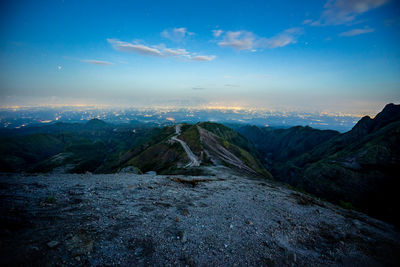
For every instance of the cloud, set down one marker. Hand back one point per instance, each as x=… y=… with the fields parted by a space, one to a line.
x=175 y=52
x=157 y=51
x=198 y=88
x=307 y=21
x=97 y=62
x=244 y=40
x=232 y=85
x=176 y=34
x=239 y=40
x=202 y=58
x=285 y=38
x=136 y=48
x=217 y=33
x=338 y=12
x=355 y=32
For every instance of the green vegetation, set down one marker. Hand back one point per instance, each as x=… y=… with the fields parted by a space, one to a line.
x=357 y=169
x=95 y=146
x=281 y=145
x=50 y=200
x=192 y=137
x=346 y=205
x=161 y=158
x=229 y=135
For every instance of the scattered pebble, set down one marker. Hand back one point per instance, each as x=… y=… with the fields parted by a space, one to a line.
x=53 y=244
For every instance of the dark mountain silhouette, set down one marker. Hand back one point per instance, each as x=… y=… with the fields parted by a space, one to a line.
x=359 y=168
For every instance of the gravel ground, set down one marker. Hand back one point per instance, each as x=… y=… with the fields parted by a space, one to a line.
x=152 y=220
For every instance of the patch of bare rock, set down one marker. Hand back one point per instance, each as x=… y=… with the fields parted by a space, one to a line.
x=152 y=220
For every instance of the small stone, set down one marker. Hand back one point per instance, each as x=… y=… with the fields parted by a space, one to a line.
x=249 y=222
x=185 y=212
x=53 y=244
x=189 y=260
x=184 y=238
x=231 y=226
x=78 y=258
x=177 y=219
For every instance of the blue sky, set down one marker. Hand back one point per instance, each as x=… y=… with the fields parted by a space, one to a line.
x=335 y=55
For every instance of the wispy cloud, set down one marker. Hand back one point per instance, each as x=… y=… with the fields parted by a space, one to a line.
x=338 y=12
x=217 y=33
x=285 y=38
x=232 y=85
x=198 y=88
x=97 y=62
x=307 y=21
x=175 y=52
x=355 y=32
x=202 y=58
x=158 y=51
x=135 y=48
x=176 y=34
x=239 y=40
x=245 y=40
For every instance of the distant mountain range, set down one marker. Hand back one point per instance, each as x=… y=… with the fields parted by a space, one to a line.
x=357 y=169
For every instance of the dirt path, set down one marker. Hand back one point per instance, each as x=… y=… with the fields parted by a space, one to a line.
x=153 y=220
x=194 y=161
x=210 y=141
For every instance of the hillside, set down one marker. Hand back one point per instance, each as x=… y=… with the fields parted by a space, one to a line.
x=358 y=168
x=70 y=147
x=209 y=143
x=280 y=145
x=100 y=147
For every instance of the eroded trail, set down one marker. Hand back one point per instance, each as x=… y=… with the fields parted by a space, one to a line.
x=210 y=141
x=194 y=161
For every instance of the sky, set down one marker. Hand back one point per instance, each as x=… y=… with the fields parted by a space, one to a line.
x=314 y=55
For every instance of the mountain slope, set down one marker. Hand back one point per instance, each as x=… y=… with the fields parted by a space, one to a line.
x=358 y=168
x=167 y=152
x=74 y=147
x=277 y=145
x=20 y=152
x=357 y=135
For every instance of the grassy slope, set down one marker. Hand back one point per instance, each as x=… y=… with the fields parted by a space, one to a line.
x=363 y=173
x=18 y=153
x=280 y=145
x=238 y=145
x=94 y=146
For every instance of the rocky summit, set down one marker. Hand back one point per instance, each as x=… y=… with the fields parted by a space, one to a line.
x=224 y=219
